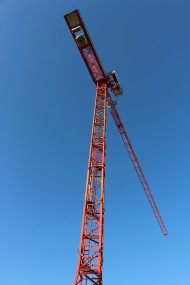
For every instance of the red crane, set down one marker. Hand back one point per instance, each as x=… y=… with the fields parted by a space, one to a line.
x=90 y=254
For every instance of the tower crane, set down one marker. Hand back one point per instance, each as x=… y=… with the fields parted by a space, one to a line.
x=90 y=253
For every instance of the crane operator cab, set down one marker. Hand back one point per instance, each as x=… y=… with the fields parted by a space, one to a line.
x=114 y=84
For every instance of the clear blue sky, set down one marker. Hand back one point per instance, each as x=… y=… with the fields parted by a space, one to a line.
x=46 y=107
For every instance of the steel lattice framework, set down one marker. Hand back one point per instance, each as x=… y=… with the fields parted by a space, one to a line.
x=91 y=241
x=136 y=164
x=90 y=255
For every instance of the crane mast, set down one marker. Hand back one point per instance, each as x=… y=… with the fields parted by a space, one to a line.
x=90 y=253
